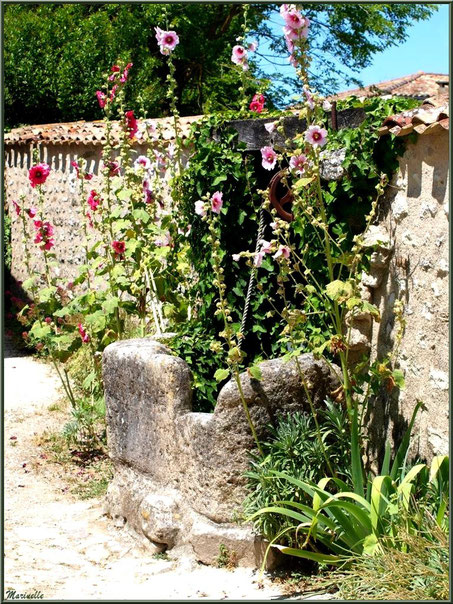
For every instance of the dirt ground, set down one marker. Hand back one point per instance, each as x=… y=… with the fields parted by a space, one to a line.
x=66 y=548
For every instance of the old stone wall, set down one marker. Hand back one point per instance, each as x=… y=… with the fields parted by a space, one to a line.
x=62 y=202
x=412 y=265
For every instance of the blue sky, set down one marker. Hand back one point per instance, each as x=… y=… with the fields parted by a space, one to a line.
x=426 y=49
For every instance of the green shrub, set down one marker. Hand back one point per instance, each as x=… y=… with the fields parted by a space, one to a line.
x=293 y=448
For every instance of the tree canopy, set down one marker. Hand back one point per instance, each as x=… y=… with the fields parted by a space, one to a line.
x=56 y=55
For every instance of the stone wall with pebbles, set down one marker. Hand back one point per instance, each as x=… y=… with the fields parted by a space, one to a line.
x=412 y=264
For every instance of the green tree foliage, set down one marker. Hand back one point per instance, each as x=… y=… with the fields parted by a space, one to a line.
x=55 y=54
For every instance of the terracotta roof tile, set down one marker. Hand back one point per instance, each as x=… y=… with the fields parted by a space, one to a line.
x=90 y=132
x=423 y=120
x=419 y=85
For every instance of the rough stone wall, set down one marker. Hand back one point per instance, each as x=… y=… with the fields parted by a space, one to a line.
x=415 y=221
x=62 y=206
x=179 y=476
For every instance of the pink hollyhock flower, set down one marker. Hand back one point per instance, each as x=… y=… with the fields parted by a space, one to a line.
x=125 y=73
x=119 y=247
x=44 y=234
x=90 y=220
x=131 y=123
x=113 y=92
x=94 y=200
x=48 y=320
x=200 y=208
x=270 y=127
x=16 y=207
x=239 y=56
x=294 y=19
x=258 y=260
x=326 y=105
x=185 y=233
x=256 y=107
x=115 y=70
x=266 y=246
x=316 y=136
x=85 y=337
x=142 y=162
x=252 y=47
x=269 y=158
x=161 y=161
x=102 y=99
x=167 y=40
x=259 y=98
x=292 y=59
x=310 y=100
x=163 y=241
x=38 y=174
x=283 y=250
x=32 y=212
x=81 y=175
x=114 y=168
x=236 y=257
x=216 y=202
x=297 y=163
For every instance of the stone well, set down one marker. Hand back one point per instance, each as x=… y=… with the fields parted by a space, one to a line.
x=179 y=475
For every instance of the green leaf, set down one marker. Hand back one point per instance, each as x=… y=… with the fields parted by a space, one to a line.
x=47 y=293
x=255 y=372
x=398 y=376
x=339 y=291
x=370 y=544
x=221 y=374
x=124 y=194
x=110 y=304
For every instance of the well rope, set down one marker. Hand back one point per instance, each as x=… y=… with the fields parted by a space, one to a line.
x=251 y=284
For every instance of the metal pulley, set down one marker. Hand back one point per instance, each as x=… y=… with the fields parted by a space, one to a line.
x=277 y=202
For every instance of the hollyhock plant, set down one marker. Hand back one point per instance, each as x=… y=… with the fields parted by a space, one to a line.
x=32 y=212
x=164 y=241
x=102 y=99
x=94 y=200
x=79 y=173
x=216 y=202
x=44 y=234
x=83 y=334
x=16 y=207
x=326 y=105
x=269 y=158
x=297 y=163
x=142 y=162
x=147 y=192
x=90 y=220
x=167 y=40
x=131 y=123
x=113 y=92
x=239 y=56
x=309 y=98
x=119 y=247
x=293 y=19
x=38 y=174
x=115 y=69
x=316 y=136
x=253 y=46
x=114 y=168
x=125 y=73
x=200 y=208
x=256 y=107
x=270 y=127
x=283 y=251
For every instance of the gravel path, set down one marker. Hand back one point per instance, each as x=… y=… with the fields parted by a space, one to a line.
x=66 y=548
